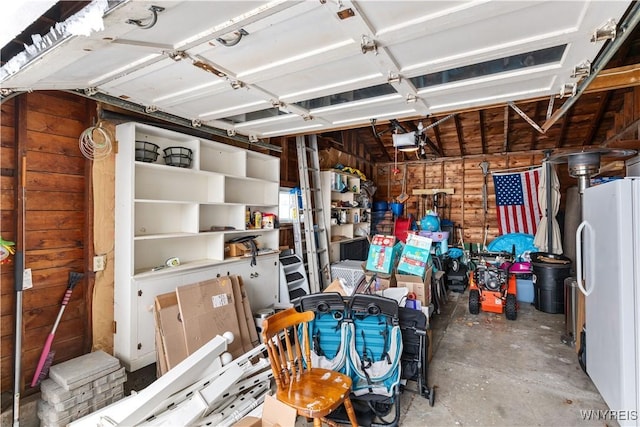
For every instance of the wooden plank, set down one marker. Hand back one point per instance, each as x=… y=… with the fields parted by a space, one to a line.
x=46 y=220
x=55 y=258
x=55 y=182
x=428 y=191
x=40 y=122
x=615 y=78
x=55 y=163
x=55 y=104
x=55 y=201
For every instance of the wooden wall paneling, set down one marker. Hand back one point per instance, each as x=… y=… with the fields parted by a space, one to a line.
x=415 y=179
x=471 y=138
x=465 y=177
x=628 y=110
x=381 y=179
x=452 y=177
x=472 y=200
x=47 y=132
x=8 y=230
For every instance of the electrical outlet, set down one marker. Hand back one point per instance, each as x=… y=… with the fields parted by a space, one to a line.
x=99 y=262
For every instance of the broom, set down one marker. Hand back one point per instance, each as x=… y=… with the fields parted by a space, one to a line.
x=46 y=357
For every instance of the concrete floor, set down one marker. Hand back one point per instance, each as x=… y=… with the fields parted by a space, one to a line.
x=486 y=371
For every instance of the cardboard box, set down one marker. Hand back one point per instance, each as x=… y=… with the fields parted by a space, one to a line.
x=415 y=255
x=236 y=249
x=274 y=413
x=418 y=285
x=382 y=282
x=383 y=252
x=170 y=346
x=337 y=286
x=208 y=309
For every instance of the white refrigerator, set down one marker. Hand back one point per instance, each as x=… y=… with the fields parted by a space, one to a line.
x=608 y=270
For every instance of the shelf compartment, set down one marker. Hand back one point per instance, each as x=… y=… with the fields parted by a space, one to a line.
x=258 y=193
x=165 y=139
x=263 y=167
x=223 y=159
x=175 y=184
x=153 y=218
x=221 y=216
x=149 y=254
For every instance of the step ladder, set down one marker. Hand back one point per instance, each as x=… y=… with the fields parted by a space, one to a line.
x=315 y=231
x=293 y=278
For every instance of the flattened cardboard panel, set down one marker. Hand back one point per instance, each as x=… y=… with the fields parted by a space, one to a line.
x=170 y=328
x=242 y=322
x=207 y=309
x=248 y=315
x=161 y=357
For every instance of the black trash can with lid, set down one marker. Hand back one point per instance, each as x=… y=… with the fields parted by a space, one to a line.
x=549 y=272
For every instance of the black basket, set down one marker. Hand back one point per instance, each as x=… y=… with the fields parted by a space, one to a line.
x=146 y=151
x=178 y=156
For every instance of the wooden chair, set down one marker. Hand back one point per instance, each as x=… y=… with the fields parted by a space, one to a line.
x=313 y=392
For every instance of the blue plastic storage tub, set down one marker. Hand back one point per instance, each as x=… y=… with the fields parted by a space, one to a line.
x=524 y=288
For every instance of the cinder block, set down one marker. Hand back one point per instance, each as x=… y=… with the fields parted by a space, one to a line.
x=83 y=369
x=54 y=393
x=110 y=385
x=47 y=412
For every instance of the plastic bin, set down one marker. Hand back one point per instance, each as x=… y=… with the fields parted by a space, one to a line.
x=549 y=272
x=397 y=208
x=524 y=288
x=350 y=271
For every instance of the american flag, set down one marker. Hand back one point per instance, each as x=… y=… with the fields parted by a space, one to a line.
x=517 y=201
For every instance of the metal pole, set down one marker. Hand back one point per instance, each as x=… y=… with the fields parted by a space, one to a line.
x=548 y=189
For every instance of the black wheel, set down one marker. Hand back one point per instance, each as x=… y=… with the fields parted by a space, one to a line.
x=511 y=307
x=474 y=301
x=432 y=396
x=455 y=265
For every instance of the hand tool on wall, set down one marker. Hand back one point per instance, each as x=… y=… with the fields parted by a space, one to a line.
x=403 y=197
x=46 y=357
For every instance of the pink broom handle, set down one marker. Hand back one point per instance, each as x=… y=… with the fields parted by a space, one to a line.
x=49 y=341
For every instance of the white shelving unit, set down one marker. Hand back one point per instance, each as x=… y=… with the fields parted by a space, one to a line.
x=165 y=211
x=340 y=192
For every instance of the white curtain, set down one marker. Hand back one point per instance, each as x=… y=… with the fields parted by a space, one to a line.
x=541 y=234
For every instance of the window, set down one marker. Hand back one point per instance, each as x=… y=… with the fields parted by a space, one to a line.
x=349 y=96
x=510 y=63
x=286 y=204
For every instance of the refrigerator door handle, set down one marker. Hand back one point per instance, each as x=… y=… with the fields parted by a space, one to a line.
x=579 y=241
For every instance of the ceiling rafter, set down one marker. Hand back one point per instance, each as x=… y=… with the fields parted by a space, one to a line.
x=436 y=134
x=376 y=135
x=505 y=144
x=483 y=138
x=459 y=134
x=534 y=132
x=564 y=125
x=597 y=118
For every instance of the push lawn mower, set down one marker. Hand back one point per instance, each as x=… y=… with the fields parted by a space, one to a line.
x=493 y=289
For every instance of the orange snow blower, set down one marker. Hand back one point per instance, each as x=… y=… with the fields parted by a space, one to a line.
x=493 y=289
